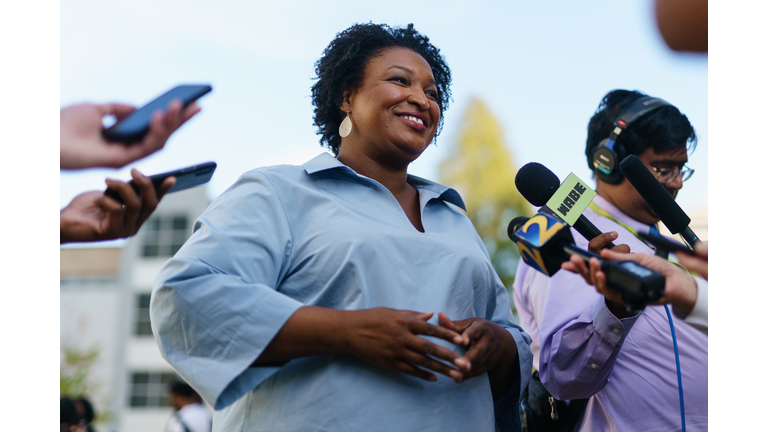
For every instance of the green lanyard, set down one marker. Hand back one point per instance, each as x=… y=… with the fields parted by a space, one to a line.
x=595 y=208
x=600 y=212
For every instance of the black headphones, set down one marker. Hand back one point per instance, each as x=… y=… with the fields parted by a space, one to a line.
x=608 y=153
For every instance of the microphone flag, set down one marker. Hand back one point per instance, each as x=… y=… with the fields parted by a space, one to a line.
x=571 y=199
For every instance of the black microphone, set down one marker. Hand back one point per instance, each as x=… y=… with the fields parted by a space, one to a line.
x=545 y=242
x=660 y=201
x=537 y=184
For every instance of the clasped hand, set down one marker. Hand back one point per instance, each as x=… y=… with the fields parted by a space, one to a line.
x=389 y=338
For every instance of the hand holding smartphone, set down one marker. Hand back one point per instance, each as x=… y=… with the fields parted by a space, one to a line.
x=185 y=178
x=135 y=126
x=667 y=244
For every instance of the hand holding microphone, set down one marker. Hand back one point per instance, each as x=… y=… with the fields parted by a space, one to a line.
x=546 y=243
x=604 y=240
x=680 y=288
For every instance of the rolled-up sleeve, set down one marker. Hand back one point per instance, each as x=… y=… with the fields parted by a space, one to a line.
x=699 y=315
x=215 y=305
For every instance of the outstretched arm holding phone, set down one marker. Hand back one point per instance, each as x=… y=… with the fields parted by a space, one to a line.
x=82 y=144
x=92 y=216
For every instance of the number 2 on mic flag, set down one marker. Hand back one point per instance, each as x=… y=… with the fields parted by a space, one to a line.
x=533 y=236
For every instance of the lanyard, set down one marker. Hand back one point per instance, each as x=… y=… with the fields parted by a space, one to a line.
x=595 y=208
x=600 y=212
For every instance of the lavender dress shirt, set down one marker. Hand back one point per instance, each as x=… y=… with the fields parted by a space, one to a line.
x=626 y=367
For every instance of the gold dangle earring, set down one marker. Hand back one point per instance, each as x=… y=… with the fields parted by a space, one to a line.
x=345 y=127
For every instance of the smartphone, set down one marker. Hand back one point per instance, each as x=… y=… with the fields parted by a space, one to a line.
x=637 y=285
x=135 y=126
x=667 y=244
x=185 y=178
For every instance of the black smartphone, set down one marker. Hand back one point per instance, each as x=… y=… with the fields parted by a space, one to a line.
x=666 y=244
x=637 y=285
x=135 y=126
x=185 y=178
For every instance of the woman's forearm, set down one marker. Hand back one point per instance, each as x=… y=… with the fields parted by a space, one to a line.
x=385 y=337
x=311 y=330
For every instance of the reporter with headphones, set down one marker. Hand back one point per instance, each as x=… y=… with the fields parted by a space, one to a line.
x=588 y=347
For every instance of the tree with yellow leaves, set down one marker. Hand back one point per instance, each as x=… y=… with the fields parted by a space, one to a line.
x=481 y=168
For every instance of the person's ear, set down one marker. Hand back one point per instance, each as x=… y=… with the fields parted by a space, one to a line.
x=346 y=99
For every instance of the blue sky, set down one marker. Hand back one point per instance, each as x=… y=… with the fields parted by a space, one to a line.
x=530 y=61
x=542 y=70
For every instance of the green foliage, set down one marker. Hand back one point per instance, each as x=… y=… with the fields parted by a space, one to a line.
x=74 y=370
x=481 y=168
x=75 y=378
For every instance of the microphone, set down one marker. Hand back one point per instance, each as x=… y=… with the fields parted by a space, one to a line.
x=540 y=240
x=660 y=201
x=541 y=187
x=545 y=242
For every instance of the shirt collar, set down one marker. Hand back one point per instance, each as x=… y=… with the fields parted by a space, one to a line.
x=620 y=215
x=325 y=161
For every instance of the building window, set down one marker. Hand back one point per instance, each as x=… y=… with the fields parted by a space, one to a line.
x=143 y=328
x=94 y=282
x=164 y=235
x=150 y=389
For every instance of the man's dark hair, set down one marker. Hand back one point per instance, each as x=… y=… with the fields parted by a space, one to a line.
x=183 y=389
x=88 y=412
x=662 y=129
x=343 y=64
x=68 y=412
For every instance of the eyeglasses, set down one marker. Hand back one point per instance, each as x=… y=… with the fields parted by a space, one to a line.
x=667 y=175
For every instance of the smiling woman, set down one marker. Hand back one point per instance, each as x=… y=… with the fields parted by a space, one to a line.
x=343 y=66
x=395 y=106
x=346 y=294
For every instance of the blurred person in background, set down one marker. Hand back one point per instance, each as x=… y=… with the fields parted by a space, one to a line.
x=85 y=413
x=69 y=421
x=190 y=415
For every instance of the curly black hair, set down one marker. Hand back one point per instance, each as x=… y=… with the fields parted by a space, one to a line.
x=343 y=64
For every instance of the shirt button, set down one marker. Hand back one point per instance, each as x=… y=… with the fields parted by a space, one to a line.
x=617 y=331
x=594 y=366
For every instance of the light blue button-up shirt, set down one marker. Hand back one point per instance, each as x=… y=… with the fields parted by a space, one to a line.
x=287 y=236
